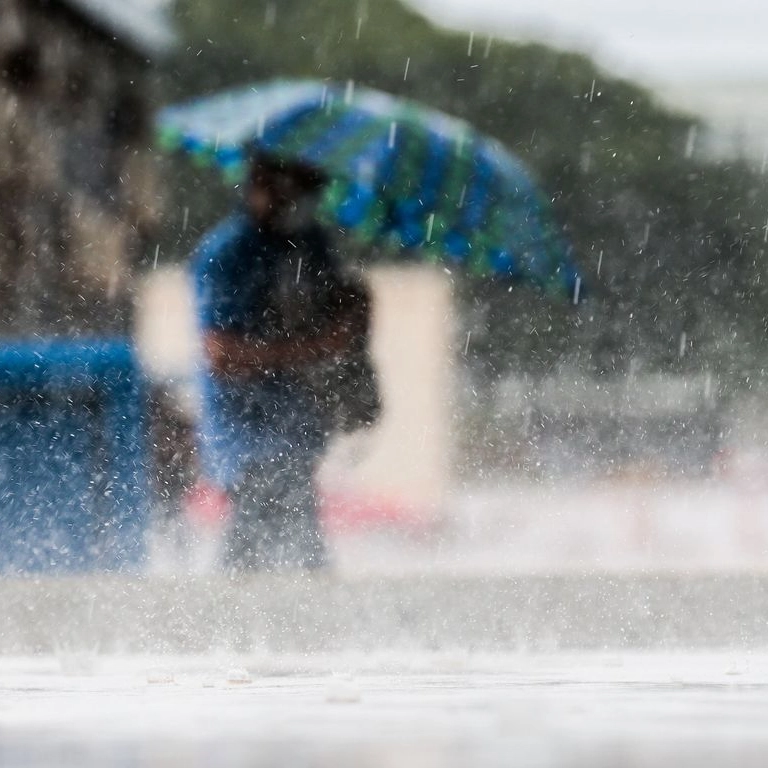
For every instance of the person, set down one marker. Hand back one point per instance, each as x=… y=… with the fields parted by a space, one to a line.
x=285 y=349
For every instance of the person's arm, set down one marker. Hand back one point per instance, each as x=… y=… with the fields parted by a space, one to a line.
x=230 y=353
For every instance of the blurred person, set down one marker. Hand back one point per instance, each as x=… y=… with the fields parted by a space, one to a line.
x=285 y=349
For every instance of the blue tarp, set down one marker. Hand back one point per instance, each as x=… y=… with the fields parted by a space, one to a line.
x=73 y=456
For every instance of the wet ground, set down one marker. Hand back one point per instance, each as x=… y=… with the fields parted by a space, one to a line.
x=574 y=637
x=590 y=710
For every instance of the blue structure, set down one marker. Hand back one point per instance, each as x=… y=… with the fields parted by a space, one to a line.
x=73 y=456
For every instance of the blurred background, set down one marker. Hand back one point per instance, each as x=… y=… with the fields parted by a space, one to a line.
x=519 y=432
x=552 y=544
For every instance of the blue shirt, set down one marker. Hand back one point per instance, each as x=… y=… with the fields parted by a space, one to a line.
x=246 y=279
x=263 y=286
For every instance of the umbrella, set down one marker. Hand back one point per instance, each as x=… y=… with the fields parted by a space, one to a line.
x=401 y=174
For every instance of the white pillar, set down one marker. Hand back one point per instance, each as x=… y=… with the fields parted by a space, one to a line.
x=403 y=463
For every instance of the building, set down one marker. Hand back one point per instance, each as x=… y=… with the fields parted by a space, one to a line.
x=79 y=196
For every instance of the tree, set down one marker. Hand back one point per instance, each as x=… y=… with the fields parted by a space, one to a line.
x=671 y=242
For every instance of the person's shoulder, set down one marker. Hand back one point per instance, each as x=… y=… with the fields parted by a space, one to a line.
x=222 y=235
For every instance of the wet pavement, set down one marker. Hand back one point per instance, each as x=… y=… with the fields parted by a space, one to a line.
x=332 y=612
x=590 y=710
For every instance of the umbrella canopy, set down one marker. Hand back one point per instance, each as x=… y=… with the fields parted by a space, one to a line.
x=401 y=174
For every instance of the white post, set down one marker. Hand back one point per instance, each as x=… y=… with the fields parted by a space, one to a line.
x=401 y=467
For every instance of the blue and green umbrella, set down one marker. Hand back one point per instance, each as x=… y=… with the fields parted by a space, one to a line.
x=401 y=174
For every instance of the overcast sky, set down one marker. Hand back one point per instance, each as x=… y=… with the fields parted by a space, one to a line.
x=654 y=40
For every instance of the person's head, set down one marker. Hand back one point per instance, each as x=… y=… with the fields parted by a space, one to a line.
x=280 y=193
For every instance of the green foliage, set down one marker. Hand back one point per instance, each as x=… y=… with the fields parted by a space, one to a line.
x=671 y=243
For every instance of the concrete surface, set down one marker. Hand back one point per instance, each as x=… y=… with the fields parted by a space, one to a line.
x=541 y=711
x=323 y=613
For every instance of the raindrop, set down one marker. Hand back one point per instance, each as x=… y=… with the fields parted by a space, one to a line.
x=586 y=160
x=349 y=92
x=112 y=284
x=342 y=690
x=488 y=44
x=392 y=134
x=430 y=224
x=160 y=677
x=690 y=141
x=708 y=385
x=592 y=92
x=238 y=676
x=407 y=65
x=471 y=43
x=599 y=263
